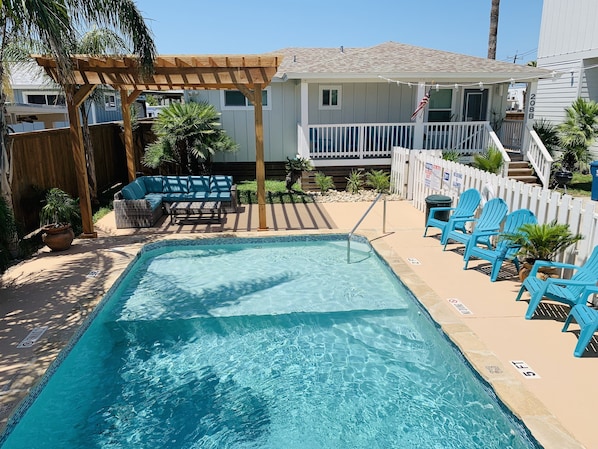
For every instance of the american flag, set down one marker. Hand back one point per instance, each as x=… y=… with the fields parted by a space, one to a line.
x=422 y=104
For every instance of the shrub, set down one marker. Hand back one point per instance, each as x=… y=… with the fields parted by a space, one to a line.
x=379 y=180
x=354 y=181
x=490 y=161
x=324 y=182
x=8 y=232
x=451 y=155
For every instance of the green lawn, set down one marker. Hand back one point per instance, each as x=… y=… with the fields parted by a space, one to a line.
x=581 y=185
x=276 y=192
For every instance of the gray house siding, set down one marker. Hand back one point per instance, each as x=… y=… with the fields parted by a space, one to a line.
x=280 y=125
x=568 y=27
x=363 y=103
x=568 y=45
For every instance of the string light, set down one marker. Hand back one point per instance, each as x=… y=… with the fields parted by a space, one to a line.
x=479 y=84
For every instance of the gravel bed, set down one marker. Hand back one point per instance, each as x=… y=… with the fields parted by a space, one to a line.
x=336 y=196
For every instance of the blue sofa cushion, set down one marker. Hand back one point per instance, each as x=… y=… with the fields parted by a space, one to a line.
x=174 y=184
x=134 y=190
x=153 y=184
x=220 y=196
x=155 y=200
x=177 y=196
x=199 y=184
x=221 y=183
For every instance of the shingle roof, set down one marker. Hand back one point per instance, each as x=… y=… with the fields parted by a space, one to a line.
x=395 y=59
x=27 y=75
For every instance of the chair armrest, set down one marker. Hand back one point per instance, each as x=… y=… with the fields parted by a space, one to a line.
x=587 y=292
x=462 y=219
x=433 y=210
x=547 y=263
x=568 y=282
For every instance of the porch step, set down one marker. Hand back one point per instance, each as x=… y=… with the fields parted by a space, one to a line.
x=526 y=179
x=515 y=156
x=521 y=171
x=518 y=164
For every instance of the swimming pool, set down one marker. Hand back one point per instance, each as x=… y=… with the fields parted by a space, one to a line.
x=262 y=343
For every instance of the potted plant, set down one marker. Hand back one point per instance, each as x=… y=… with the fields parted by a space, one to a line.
x=56 y=218
x=540 y=242
x=294 y=168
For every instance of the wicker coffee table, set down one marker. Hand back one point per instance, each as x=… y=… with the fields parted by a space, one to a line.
x=196 y=211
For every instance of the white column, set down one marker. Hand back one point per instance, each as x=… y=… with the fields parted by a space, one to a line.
x=303 y=131
x=418 y=135
x=529 y=117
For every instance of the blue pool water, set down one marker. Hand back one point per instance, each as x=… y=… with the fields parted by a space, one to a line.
x=258 y=343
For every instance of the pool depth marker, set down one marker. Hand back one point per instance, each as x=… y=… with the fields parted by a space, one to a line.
x=32 y=337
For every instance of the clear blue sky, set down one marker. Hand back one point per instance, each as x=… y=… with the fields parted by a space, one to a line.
x=234 y=26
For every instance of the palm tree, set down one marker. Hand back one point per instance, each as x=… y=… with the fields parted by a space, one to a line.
x=96 y=42
x=54 y=23
x=493 y=34
x=578 y=132
x=188 y=134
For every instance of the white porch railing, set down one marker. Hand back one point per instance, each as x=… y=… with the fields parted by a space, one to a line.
x=375 y=140
x=357 y=141
x=415 y=174
x=465 y=137
x=511 y=134
x=538 y=156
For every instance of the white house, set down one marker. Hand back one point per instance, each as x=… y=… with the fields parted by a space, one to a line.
x=568 y=46
x=38 y=103
x=348 y=106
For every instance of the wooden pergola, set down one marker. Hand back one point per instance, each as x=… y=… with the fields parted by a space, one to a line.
x=249 y=74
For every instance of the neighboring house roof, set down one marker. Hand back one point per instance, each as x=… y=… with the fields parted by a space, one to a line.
x=398 y=61
x=29 y=75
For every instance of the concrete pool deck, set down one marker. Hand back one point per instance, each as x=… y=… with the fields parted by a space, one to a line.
x=58 y=290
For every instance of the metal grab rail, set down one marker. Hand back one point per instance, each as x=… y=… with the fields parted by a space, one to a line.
x=361 y=219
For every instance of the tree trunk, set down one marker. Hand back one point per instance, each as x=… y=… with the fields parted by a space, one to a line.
x=493 y=34
x=89 y=156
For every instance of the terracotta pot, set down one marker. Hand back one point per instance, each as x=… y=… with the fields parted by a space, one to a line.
x=58 y=238
x=543 y=273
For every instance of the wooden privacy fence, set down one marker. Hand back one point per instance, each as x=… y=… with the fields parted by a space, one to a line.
x=416 y=174
x=43 y=159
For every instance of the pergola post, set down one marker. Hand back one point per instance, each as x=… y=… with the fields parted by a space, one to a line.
x=260 y=169
x=76 y=96
x=255 y=97
x=126 y=100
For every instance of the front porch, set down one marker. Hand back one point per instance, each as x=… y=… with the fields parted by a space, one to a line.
x=371 y=144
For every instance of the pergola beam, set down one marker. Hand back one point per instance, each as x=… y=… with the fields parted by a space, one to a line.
x=248 y=73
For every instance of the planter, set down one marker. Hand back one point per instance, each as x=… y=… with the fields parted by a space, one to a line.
x=58 y=238
x=543 y=272
x=563 y=178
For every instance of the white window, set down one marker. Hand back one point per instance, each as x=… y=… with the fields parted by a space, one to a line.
x=330 y=97
x=234 y=99
x=47 y=98
x=439 y=108
x=110 y=102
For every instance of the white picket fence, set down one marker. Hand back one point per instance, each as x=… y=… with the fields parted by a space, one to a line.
x=416 y=174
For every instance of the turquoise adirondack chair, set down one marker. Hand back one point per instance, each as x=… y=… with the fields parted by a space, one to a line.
x=466 y=207
x=493 y=214
x=503 y=250
x=587 y=319
x=567 y=291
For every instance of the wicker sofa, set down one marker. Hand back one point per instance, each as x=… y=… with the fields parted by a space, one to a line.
x=142 y=202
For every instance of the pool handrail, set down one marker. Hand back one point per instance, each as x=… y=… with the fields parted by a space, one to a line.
x=381 y=194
